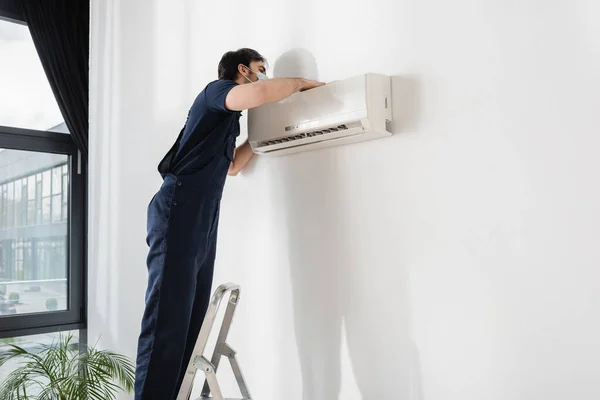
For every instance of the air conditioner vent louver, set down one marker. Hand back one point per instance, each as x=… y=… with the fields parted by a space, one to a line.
x=302 y=136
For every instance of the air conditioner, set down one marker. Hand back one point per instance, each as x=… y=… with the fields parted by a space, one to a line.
x=346 y=111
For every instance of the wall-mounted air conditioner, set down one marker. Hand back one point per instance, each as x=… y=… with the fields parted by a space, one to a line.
x=347 y=111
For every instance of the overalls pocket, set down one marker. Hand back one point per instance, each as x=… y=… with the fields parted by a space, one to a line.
x=222 y=162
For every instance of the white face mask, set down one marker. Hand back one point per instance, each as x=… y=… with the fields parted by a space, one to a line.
x=260 y=75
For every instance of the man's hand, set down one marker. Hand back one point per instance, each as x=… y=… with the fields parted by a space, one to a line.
x=241 y=156
x=309 y=84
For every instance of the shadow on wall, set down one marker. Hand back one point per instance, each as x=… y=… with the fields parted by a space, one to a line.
x=406 y=101
x=343 y=275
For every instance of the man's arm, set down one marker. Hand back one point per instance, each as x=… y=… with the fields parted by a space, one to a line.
x=241 y=156
x=250 y=95
x=255 y=94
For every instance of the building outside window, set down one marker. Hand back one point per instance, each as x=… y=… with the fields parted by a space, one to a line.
x=34 y=230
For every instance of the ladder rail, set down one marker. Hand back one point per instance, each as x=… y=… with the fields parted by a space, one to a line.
x=221 y=340
x=211 y=313
x=239 y=376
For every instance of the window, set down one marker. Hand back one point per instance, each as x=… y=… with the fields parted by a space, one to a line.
x=42 y=199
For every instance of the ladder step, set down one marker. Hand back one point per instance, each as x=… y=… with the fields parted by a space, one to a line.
x=211 y=398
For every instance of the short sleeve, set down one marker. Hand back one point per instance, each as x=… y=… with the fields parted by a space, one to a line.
x=216 y=93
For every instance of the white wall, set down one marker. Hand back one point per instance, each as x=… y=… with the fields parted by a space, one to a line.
x=456 y=260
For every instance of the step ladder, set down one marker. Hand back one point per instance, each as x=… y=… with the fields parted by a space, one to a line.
x=199 y=362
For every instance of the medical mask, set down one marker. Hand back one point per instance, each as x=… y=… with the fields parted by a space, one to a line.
x=260 y=75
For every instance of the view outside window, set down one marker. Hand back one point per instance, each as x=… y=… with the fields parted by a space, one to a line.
x=34 y=205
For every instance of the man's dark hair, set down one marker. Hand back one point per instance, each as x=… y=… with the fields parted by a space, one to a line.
x=228 y=66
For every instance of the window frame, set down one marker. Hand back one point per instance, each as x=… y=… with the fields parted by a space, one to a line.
x=75 y=316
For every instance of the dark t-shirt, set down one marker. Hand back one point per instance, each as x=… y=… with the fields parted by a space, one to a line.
x=207 y=130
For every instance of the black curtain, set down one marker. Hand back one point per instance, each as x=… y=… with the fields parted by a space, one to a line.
x=60 y=31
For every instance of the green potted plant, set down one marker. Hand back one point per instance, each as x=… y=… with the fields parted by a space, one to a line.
x=62 y=371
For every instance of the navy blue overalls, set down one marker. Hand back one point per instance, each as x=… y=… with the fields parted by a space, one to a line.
x=183 y=217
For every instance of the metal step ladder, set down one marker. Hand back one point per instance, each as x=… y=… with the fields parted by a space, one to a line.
x=198 y=361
